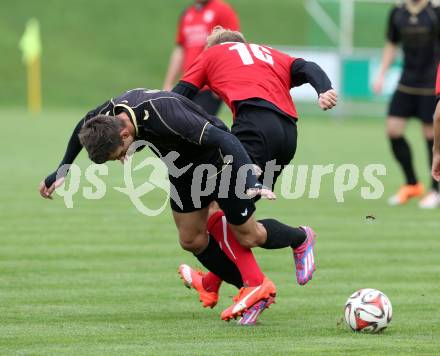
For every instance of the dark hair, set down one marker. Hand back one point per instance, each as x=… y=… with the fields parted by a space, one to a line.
x=101 y=137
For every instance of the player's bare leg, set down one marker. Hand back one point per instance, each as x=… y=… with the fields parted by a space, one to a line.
x=192 y=230
x=194 y=238
x=241 y=256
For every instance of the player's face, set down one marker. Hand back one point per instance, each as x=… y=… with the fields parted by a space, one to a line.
x=201 y=1
x=121 y=152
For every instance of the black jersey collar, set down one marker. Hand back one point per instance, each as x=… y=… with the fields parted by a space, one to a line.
x=416 y=8
x=131 y=116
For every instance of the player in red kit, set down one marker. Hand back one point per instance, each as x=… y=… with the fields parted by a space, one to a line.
x=255 y=82
x=436 y=147
x=195 y=24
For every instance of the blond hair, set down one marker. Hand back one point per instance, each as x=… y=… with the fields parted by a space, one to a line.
x=220 y=35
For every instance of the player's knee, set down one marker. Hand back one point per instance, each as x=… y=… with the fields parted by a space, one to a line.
x=193 y=242
x=393 y=132
x=213 y=208
x=395 y=128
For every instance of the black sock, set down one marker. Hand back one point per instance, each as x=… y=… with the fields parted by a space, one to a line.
x=280 y=235
x=216 y=261
x=402 y=153
x=429 y=145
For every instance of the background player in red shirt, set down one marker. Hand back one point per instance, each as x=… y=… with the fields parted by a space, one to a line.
x=255 y=82
x=195 y=24
x=436 y=148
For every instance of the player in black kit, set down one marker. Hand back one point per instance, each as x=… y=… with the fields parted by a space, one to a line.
x=415 y=25
x=174 y=124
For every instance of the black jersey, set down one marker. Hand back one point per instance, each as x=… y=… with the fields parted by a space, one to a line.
x=419 y=34
x=170 y=122
x=167 y=120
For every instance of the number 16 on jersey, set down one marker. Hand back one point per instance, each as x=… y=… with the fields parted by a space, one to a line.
x=247 y=57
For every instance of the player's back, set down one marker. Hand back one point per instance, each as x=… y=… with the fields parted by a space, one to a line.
x=238 y=71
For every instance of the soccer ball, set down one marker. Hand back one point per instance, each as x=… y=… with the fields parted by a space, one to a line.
x=368 y=310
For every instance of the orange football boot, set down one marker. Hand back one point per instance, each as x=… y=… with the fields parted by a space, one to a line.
x=193 y=279
x=247 y=297
x=407 y=192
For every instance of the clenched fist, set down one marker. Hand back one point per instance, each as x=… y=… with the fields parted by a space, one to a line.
x=328 y=99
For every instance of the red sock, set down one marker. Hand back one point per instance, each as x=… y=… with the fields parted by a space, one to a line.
x=241 y=256
x=211 y=282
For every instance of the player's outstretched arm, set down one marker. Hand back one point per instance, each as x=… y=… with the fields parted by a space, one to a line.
x=436 y=147
x=74 y=147
x=50 y=183
x=46 y=192
x=309 y=72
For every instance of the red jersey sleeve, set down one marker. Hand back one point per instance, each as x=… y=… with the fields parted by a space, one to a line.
x=196 y=74
x=229 y=19
x=437 y=83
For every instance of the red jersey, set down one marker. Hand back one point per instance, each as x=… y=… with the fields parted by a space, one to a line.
x=238 y=71
x=197 y=23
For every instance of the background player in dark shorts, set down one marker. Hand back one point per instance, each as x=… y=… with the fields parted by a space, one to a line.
x=415 y=25
x=195 y=24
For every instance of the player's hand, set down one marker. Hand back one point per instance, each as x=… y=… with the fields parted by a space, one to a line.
x=328 y=99
x=263 y=191
x=436 y=166
x=378 y=85
x=45 y=192
x=257 y=170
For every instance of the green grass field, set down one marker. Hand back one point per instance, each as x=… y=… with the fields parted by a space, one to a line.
x=101 y=278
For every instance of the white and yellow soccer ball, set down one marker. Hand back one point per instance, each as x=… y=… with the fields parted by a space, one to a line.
x=368 y=310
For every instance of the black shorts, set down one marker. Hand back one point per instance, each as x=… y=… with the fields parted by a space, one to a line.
x=186 y=194
x=208 y=101
x=409 y=105
x=266 y=135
